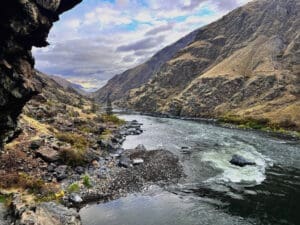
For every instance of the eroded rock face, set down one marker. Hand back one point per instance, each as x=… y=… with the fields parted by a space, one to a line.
x=23 y=24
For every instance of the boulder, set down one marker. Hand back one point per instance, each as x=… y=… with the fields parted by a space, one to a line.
x=240 y=161
x=75 y=198
x=125 y=162
x=48 y=154
x=61 y=172
x=140 y=148
x=51 y=213
x=36 y=144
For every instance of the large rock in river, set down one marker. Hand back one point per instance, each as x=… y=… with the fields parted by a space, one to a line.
x=240 y=161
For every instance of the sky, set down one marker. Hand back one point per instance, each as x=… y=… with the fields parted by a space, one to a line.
x=101 y=38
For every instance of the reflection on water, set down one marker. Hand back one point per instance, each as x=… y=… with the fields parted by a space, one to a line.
x=214 y=192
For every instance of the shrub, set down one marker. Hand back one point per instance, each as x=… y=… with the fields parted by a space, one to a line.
x=86 y=180
x=6 y=200
x=287 y=124
x=245 y=122
x=86 y=129
x=73 y=188
x=76 y=140
x=113 y=119
x=105 y=134
x=22 y=180
x=73 y=156
x=32 y=183
x=2 y=198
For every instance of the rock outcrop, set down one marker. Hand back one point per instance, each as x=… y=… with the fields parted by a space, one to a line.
x=47 y=213
x=244 y=65
x=23 y=24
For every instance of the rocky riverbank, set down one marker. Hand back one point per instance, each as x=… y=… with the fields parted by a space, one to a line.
x=115 y=173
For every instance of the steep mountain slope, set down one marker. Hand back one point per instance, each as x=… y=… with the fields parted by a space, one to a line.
x=119 y=85
x=246 y=65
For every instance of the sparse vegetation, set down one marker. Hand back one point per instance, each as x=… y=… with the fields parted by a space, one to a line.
x=22 y=180
x=74 y=187
x=86 y=180
x=75 y=155
x=113 y=119
x=6 y=200
x=77 y=141
x=105 y=135
x=2 y=198
x=87 y=129
x=245 y=122
x=285 y=127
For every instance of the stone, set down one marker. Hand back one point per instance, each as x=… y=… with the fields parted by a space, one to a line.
x=125 y=162
x=61 y=172
x=140 y=148
x=137 y=161
x=80 y=170
x=48 y=154
x=95 y=164
x=75 y=198
x=36 y=144
x=240 y=161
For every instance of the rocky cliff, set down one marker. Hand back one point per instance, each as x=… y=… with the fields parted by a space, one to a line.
x=23 y=24
x=245 y=65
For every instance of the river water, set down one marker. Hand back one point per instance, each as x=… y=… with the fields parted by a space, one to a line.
x=214 y=191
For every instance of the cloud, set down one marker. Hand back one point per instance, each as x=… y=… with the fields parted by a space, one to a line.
x=98 y=39
x=143 y=44
x=160 y=29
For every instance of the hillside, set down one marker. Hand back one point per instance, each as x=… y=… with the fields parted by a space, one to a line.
x=68 y=85
x=53 y=123
x=241 y=67
x=120 y=85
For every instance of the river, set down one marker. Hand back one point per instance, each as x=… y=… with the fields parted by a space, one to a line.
x=214 y=191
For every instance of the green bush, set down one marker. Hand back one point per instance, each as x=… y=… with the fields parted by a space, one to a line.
x=73 y=188
x=2 y=198
x=86 y=180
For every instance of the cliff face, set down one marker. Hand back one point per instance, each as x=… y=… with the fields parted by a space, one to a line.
x=246 y=65
x=23 y=24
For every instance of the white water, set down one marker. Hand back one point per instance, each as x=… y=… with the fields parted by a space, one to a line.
x=251 y=175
